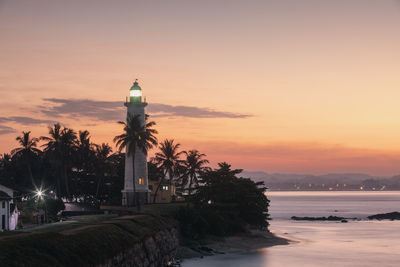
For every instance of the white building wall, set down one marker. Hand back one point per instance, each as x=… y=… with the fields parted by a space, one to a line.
x=14 y=220
x=140 y=157
x=11 y=219
x=6 y=212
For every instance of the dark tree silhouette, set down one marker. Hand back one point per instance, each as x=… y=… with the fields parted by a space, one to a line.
x=60 y=146
x=102 y=164
x=194 y=165
x=168 y=161
x=26 y=151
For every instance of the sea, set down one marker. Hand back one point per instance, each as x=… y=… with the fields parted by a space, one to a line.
x=358 y=243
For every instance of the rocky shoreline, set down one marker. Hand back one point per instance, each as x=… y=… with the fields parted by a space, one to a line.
x=383 y=216
x=253 y=240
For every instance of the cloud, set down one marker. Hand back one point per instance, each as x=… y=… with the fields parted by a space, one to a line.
x=114 y=110
x=25 y=120
x=163 y=110
x=6 y=130
x=100 y=110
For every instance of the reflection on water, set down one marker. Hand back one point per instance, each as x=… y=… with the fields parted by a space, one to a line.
x=357 y=243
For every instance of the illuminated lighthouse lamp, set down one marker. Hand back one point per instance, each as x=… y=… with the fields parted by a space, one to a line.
x=135 y=92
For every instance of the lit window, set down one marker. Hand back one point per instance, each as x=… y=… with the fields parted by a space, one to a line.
x=135 y=93
x=140 y=180
x=165 y=187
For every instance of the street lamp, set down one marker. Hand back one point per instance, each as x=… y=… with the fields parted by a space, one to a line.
x=39 y=194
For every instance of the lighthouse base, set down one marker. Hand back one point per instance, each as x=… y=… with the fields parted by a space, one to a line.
x=128 y=198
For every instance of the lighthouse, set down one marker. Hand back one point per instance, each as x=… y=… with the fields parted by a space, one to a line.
x=135 y=106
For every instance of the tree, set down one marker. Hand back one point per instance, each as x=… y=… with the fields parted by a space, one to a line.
x=26 y=151
x=224 y=204
x=85 y=151
x=52 y=148
x=167 y=160
x=222 y=189
x=136 y=136
x=194 y=165
x=102 y=153
x=61 y=146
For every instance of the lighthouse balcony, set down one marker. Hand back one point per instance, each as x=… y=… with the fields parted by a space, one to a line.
x=135 y=101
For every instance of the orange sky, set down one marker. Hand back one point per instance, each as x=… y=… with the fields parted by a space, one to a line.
x=277 y=86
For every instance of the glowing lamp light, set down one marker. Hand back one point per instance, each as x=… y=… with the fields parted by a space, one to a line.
x=39 y=193
x=135 y=93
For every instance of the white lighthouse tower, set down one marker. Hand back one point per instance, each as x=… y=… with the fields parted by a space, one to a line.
x=135 y=106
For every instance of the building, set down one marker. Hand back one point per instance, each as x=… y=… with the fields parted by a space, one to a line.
x=8 y=210
x=135 y=106
x=165 y=194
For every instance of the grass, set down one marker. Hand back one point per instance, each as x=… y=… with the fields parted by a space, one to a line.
x=87 y=241
x=166 y=209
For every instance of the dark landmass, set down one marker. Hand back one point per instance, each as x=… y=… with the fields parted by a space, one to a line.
x=385 y=216
x=239 y=243
x=330 y=218
x=327 y=182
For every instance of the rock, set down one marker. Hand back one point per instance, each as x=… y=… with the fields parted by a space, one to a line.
x=386 y=216
x=155 y=251
x=330 y=218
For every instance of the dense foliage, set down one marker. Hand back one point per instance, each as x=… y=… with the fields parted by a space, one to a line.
x=224 y=204
x=70 y=165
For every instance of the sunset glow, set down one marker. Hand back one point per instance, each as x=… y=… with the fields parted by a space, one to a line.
x=275 y=86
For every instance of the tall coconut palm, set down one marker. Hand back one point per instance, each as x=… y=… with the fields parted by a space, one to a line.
x=85 y=151
x=52 y=148
x=136 y=136
x=27 y=150
x=102 y=153
x=60 y=147
x=194 y=165
x=167 y=160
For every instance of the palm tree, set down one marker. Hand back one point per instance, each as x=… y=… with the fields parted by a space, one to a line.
x=102 y=162
x=60 y=147
x=85 y=151
x=52 y=148
x=194 y=165
x=167 y=160
x=136 y=136
x=26 y=150
x=5 y=161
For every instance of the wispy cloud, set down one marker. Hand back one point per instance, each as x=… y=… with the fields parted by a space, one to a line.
x=6 y=130
x=100 y=110
x=114 y=110
x=25 y=120
x=163 y=110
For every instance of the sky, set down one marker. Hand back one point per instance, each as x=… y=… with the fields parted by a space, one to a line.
x=301 y=86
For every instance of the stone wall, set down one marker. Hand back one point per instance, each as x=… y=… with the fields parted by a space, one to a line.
x=154 y=251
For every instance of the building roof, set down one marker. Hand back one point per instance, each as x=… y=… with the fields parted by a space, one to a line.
x=136 y=86
x=7 y=190
x=4 y=195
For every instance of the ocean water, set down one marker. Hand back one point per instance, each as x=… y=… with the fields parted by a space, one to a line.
x=356 y=243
